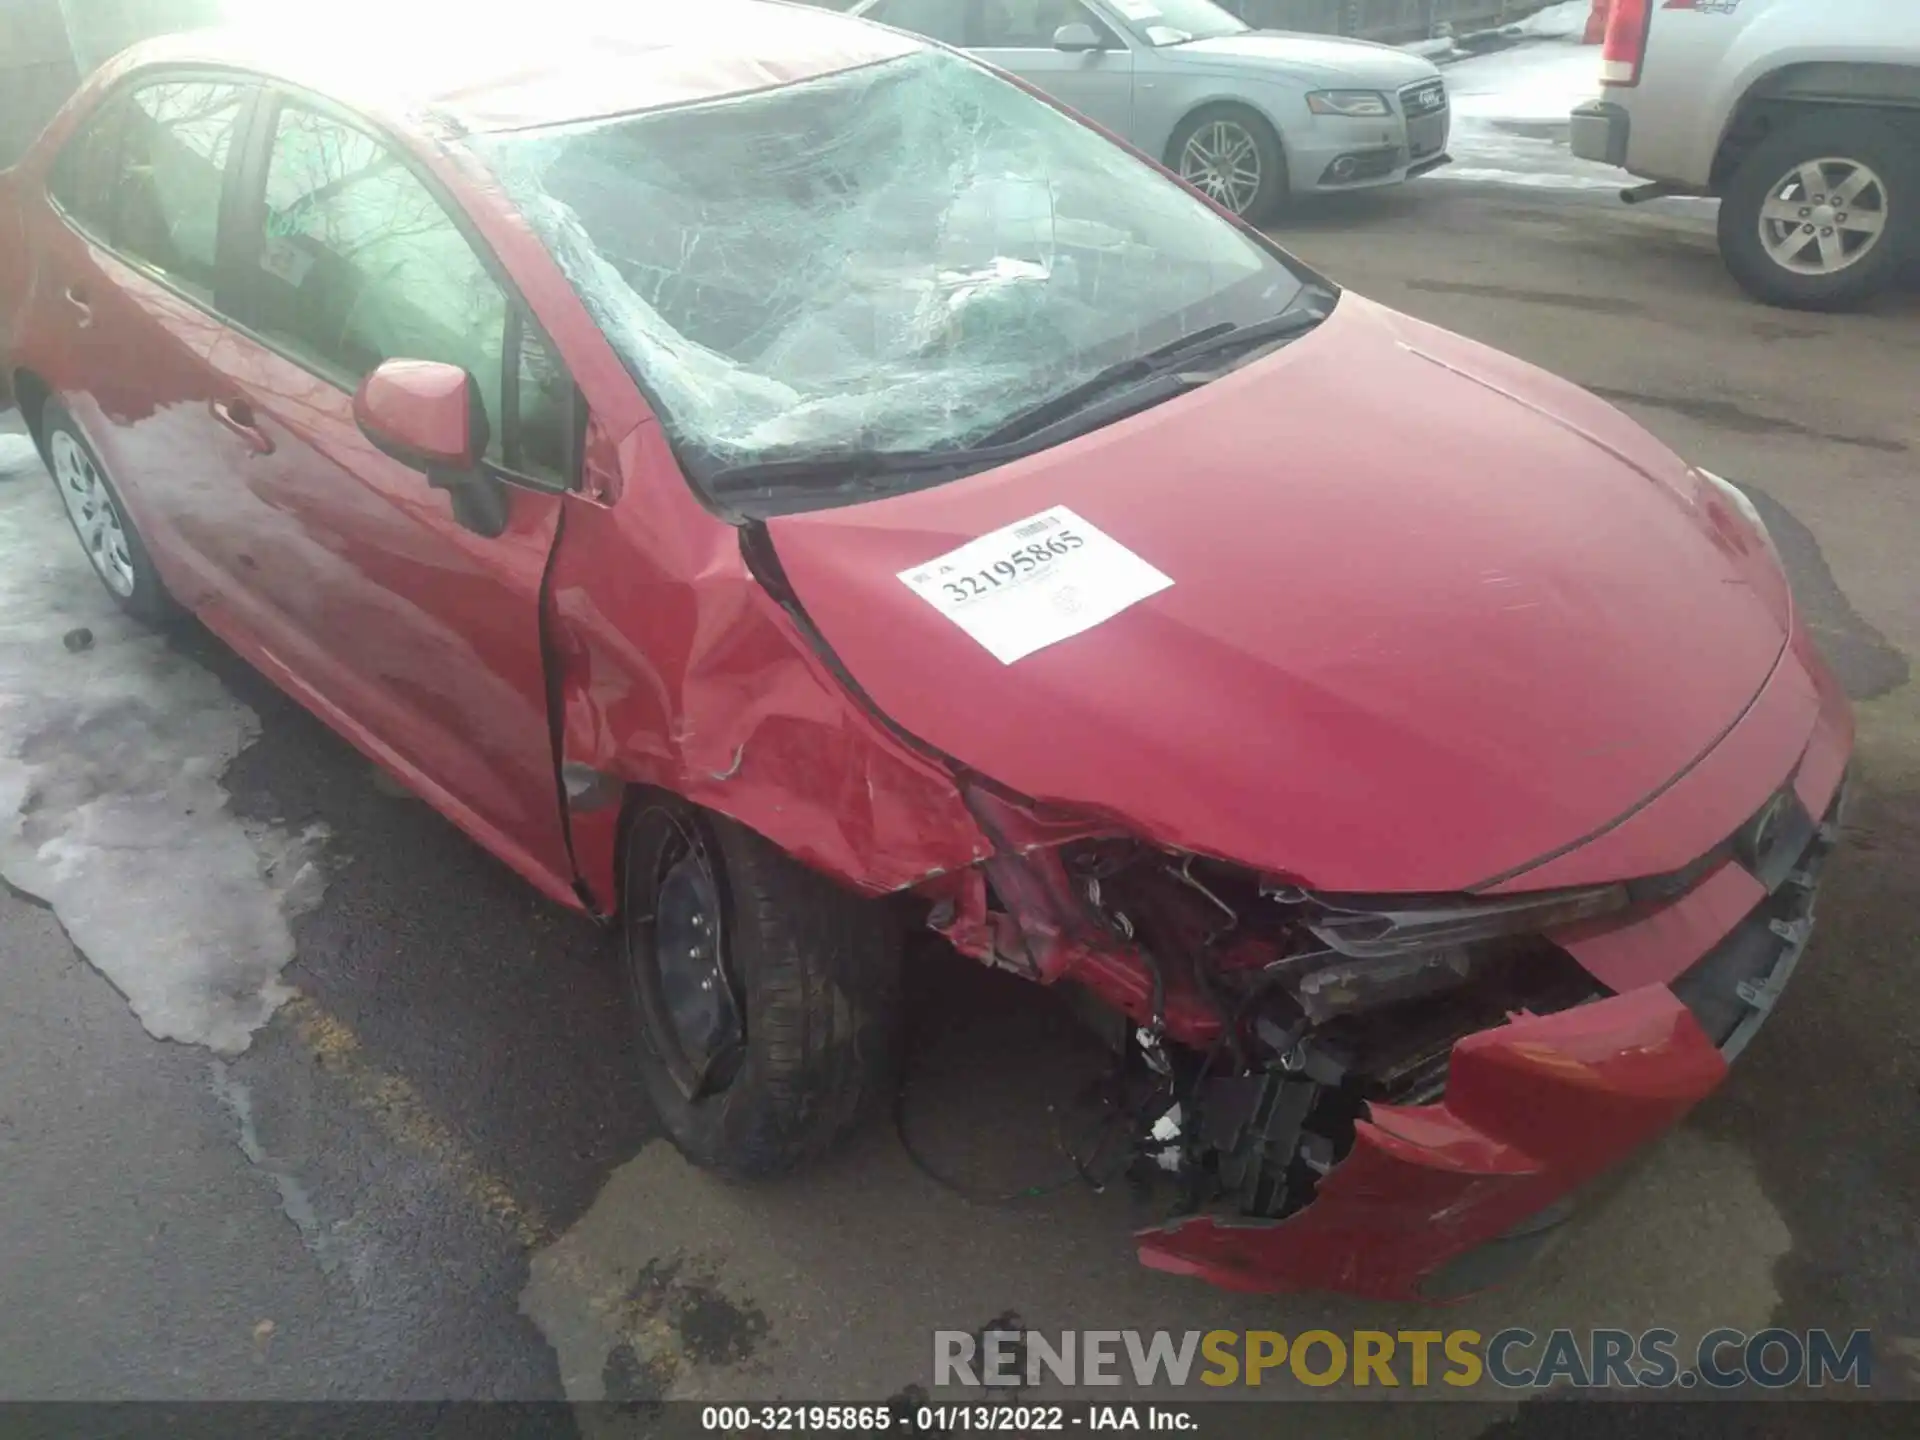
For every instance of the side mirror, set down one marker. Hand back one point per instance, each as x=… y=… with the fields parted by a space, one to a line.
x=424 y=414
x=429 y=416
x=1078 y=38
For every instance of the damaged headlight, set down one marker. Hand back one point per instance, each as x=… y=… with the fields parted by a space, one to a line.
x=1365 y=931
x=1386 y=953
x=1347 y=986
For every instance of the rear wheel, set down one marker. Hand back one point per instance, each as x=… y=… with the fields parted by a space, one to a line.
x=1822 y=213
x=1234 y=158
x=767 y=996
x=100 y=520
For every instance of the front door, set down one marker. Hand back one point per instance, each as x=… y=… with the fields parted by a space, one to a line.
x=1017 y=35
x=422 y=638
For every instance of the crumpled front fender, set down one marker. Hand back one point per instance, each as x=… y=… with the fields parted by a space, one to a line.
x=1534 y=1110
x=678 y=670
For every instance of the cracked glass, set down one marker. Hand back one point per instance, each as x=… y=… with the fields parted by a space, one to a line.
x=894 y=258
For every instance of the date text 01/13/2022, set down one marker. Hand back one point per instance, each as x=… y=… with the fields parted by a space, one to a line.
x=941 y=1419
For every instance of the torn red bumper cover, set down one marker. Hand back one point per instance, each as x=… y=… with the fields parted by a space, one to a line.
x=1533 y=1110
x=1438 y=1201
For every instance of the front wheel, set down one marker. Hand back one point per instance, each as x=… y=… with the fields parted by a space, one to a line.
x=767 y=996
x=1822 y=213
x=1234 y=158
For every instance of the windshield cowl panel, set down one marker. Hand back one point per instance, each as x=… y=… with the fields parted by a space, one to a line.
x=896 y=258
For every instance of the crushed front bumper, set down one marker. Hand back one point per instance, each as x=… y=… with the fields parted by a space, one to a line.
x=1533 y=1111
x=1437 y=1201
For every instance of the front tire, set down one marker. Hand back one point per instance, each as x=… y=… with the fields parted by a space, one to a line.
x=100 y=520
x=1233 y=157
x=767 y=996
x=1822 y=213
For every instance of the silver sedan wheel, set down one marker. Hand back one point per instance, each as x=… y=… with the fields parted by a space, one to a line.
x=1222 y=160
x=95 y=516
x=1824 y=216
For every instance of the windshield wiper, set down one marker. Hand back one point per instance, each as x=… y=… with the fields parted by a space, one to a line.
x=1306 y=312
x=853 y=469
x=1126 y=387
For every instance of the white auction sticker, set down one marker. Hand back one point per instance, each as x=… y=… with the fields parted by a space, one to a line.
x=1034 y=583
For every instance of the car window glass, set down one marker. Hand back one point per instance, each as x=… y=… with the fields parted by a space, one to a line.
x=82 y=177
x=175 y=145
x=1030 y=24
x=897 y=257
x=545 y=409
x=942 y=20
x=360 y=264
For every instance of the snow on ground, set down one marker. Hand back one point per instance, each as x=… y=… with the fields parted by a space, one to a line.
x=1565 y=21
x=1511 y=112
x=16 y=454
x=111 y=810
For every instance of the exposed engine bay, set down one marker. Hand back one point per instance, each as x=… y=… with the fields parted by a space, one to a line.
x=1253 y=1022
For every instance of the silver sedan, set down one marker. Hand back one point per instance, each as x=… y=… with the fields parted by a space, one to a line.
x=1249 y=116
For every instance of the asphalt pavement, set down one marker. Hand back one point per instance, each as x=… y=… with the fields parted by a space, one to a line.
x=432 y=1174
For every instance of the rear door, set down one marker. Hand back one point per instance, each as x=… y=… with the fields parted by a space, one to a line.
x=419 y=637
x=126 y=294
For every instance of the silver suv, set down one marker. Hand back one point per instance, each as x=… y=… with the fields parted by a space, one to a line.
x=1802 y=115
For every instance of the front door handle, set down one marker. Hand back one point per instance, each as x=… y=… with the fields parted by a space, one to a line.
x=237 y=416
x=77 y=298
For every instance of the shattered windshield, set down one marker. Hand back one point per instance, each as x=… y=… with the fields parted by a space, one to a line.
x=895 y=258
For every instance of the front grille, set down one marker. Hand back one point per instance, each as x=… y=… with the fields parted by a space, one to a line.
x=1732 y=988
x=1429 y=97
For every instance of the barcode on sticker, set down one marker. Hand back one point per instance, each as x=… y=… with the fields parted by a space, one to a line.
x=1035 y=527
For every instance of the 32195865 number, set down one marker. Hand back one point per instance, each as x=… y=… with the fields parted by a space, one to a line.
x=921 y=1420
x=799 y=1419
x=1018 y=564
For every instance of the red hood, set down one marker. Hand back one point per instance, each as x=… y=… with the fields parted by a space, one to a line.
x=1434 y=614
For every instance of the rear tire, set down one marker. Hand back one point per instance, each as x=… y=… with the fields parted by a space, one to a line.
x=1210 y=148
x=1822 y=214
x=100 y=520
x=804 y=1041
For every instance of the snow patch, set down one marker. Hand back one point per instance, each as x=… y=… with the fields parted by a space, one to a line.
x=237 y=1099
x=1566 y=21
x=17 y=455
x=1512 y=116
x=111 y=810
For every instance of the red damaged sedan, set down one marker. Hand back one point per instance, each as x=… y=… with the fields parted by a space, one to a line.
x=774 y=481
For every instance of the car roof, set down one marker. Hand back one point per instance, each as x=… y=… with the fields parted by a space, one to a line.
x=553 y=62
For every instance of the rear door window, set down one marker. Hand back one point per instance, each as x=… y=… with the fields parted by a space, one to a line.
x=82 y=182
x=177 y=142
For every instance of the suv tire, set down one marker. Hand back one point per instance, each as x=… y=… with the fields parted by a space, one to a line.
x=1823 y=212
